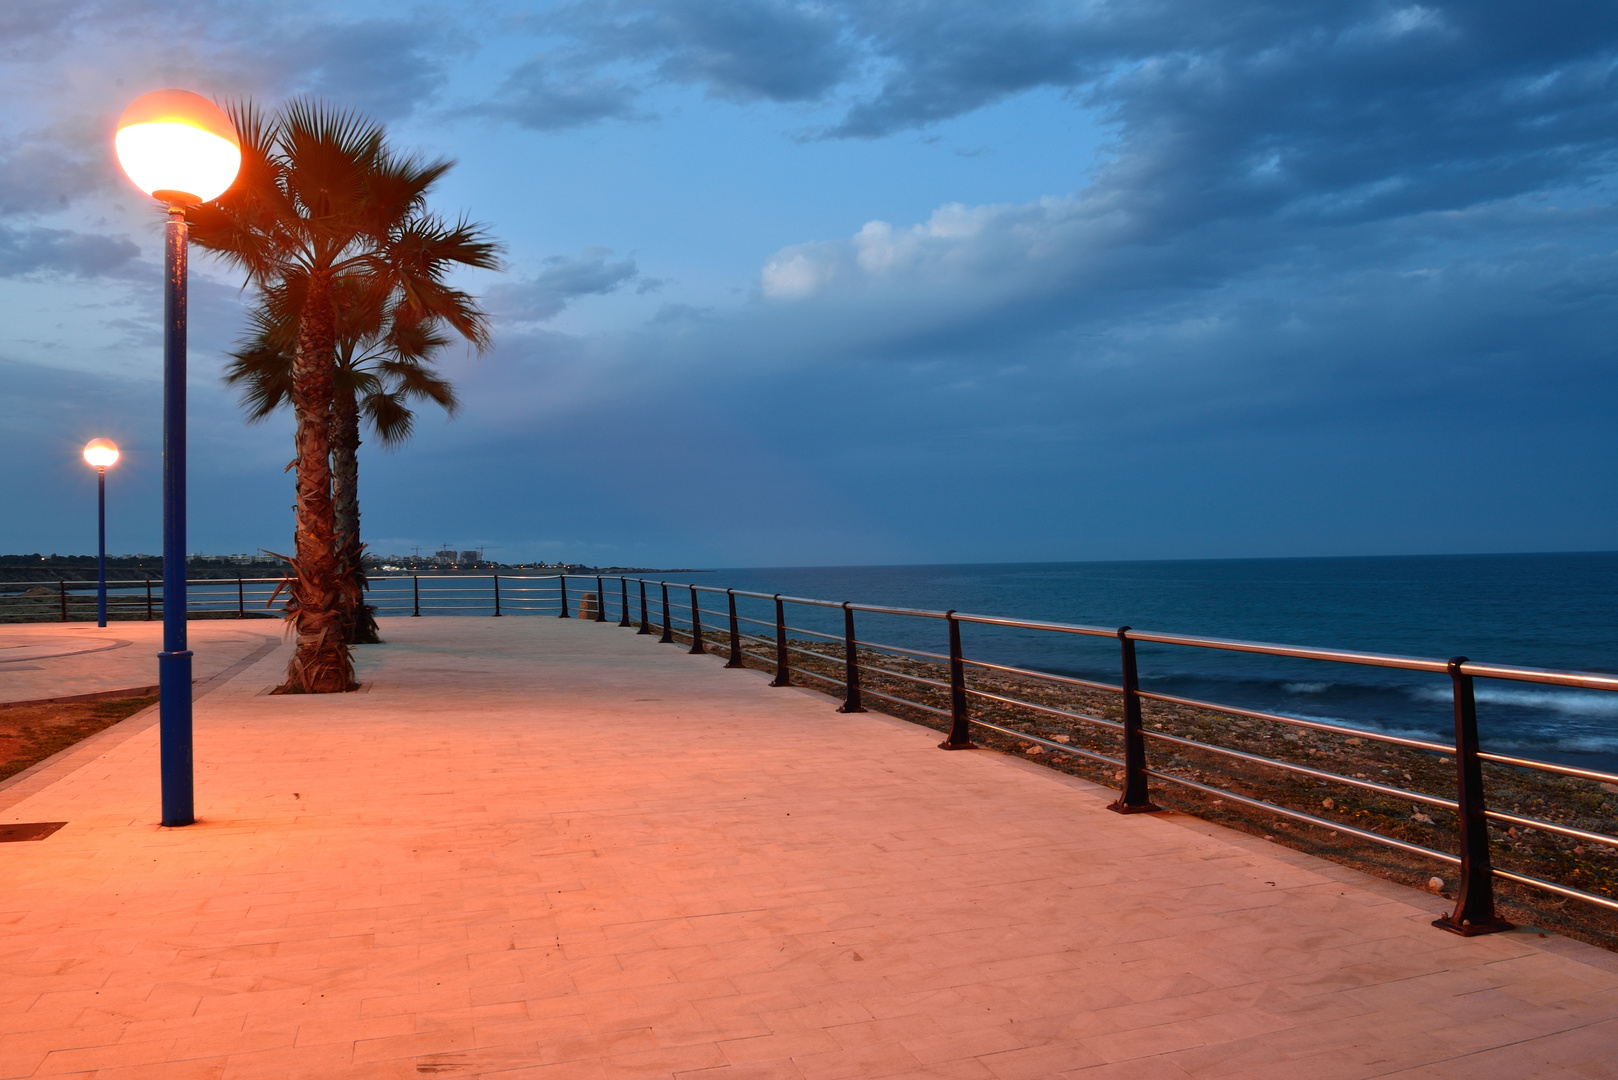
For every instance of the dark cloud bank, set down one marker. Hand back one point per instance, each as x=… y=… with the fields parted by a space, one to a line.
x=1344 y=280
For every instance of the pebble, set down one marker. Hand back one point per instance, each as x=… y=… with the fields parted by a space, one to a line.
x=1064 y=739
x=1423 y=818
x=1032 y=750
x=1435 y=884
x=1329 y=804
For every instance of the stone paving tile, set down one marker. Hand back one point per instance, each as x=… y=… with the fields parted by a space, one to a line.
x=499 y=862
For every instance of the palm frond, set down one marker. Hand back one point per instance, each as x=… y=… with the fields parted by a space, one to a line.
x=389 y=417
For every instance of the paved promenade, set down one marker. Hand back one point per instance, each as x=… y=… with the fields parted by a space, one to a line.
x=40 y=661
x=535 y=848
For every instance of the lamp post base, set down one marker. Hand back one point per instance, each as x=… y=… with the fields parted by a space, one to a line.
x=174 y=736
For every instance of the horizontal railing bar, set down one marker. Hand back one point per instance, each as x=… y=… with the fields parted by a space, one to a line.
x=905 y=676
x=897 y=649
x=866 y=691
x=809 y=601
x=1035 y=624
x=1304 y=770
x=818 y=675
x=1552 y=827
x=1066 y=679
x=814 y=633
x=915 y=613
x=800 y=650
x=1551 y=767
x=1561 y=890
x=1042 y=708
x=1317 y=725
x=1063 y=747
x=1302 y=652
x=1584 y=680
x=1298 y=815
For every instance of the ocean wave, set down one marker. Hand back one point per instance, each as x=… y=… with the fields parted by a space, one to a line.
x=1565 y=702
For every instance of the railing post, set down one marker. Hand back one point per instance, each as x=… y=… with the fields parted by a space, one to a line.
x=415 y=596
x=623 y=603
x=645 y=621
x=960 y=728
x=148 y=599
x=783 y=666
x=563 y=579
x=1134 y=798
x=601 y=600
x=241 y=600
x=735 y=633
x=497 y=596
x=668 y=624
x=62 y=586
x=851 y=664
x=697 y=648
x=1474 y=901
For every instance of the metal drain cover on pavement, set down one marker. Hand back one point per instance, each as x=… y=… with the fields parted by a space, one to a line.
x=31 y=830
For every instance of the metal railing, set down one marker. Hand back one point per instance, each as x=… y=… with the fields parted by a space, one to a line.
x=647 y=606
x=137 y=598
x=785 y=647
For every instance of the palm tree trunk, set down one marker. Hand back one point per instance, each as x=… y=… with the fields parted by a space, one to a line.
x=320 y=661
x=359 y=618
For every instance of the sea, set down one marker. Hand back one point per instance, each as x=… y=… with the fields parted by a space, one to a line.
x=1538 y=610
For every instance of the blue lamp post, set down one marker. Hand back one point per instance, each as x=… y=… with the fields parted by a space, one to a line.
x=101 y=453
x=181 y=149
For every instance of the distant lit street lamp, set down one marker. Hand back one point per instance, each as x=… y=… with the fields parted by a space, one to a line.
x=101 y=453
x=181 y=149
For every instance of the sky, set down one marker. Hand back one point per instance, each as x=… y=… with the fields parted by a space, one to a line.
x=850 y=283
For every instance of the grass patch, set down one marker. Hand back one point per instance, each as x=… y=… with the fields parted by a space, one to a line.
x=31 y=733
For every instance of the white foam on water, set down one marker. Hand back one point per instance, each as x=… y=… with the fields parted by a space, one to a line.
x=1566 y=702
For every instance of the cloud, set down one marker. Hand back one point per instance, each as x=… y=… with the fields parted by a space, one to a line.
x=41 y=172
x=672 y=314
x=55 y=141
x=382 y=67
x=555 y=91
x=1285 y=153
x=741 y=50
x=565 y=278
x=60 y=251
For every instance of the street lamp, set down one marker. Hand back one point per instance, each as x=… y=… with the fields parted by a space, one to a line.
x=181 y=149
x=101 y=453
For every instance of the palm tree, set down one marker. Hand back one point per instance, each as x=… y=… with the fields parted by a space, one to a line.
x=382 y=366
x=321 y=198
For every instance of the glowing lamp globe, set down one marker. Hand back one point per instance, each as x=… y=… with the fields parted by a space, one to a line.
x=101 y=452
x=178 y=147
